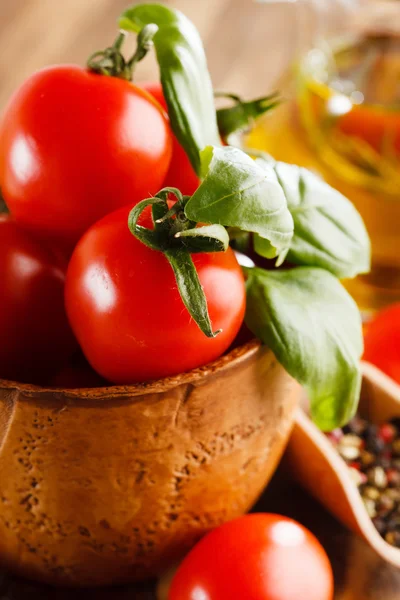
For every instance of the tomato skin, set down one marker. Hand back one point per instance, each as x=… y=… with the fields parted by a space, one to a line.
x=34 y=329
x=75 y=146
x=125 y=309
x=256 y=557
x=180 y=173
x=382 y=341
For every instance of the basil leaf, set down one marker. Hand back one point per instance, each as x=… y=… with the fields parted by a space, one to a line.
x=210 y=238
x=328 y=230
x=314 y=328
x=236 y=192
x=184 y=75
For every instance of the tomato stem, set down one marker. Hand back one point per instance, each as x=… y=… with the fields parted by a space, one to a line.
x=144 y=44
x=177 y=237
x=242 y=114
x=111 y=62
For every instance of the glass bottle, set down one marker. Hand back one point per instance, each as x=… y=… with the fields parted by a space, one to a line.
x=341 y=118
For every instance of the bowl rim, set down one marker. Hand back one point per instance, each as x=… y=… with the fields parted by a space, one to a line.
x=222 y=364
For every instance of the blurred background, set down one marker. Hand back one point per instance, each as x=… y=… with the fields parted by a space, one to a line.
x=243 y=39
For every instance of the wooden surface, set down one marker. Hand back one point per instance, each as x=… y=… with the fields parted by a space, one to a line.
x=248 y=45
x=245 y=41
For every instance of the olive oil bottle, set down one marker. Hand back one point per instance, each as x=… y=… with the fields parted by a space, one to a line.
x=341 y=118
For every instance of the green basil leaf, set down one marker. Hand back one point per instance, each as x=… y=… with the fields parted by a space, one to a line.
x=184 y=75
x=314 y=329
x=210 y=238
x=236 y=192
x=328 y=231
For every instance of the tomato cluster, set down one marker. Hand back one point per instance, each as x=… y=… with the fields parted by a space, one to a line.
x=77 y=151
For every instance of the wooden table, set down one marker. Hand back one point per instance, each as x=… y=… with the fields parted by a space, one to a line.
x=248 y=45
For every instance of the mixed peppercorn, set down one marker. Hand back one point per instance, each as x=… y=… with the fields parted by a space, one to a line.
x=372 y=454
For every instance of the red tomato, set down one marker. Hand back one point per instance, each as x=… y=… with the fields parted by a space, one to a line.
x=382 y=341
x=75 y=146
x=126 y=311
x=180 y=173
x=256 y=557
x=36 y=337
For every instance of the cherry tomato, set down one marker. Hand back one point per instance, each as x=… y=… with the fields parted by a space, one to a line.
x=256 y=557
x=75 y=146
x=125 y=309
x=382 y=341
x=180 y=173
x=36 y=337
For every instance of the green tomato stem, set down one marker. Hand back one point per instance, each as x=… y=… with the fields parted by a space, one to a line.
x=177 y=237
x=111 y=62
x=242 y=114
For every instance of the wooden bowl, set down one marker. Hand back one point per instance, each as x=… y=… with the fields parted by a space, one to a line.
x=318 y=467
x=110 y=485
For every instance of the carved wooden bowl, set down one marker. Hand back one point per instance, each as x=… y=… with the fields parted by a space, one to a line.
x=110 y=485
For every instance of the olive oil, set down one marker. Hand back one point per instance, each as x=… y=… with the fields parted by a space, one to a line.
x=343 y=121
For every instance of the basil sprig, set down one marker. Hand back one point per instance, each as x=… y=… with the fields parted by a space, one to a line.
x=303 y=313
x=184 y=75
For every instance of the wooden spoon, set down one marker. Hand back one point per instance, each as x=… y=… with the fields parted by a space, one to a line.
x=318 y=467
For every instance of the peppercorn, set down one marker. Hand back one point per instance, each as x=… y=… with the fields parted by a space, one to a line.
x=393 y=538
x=371 y=492
x=385 y=505
x=387 y=433
x=370 y=507
x=394 y=494
x=393 y=477
x=367 y=458
x=377 y=477
x=349 y=452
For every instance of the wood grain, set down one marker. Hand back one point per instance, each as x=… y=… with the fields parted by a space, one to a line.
x=245 y=41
